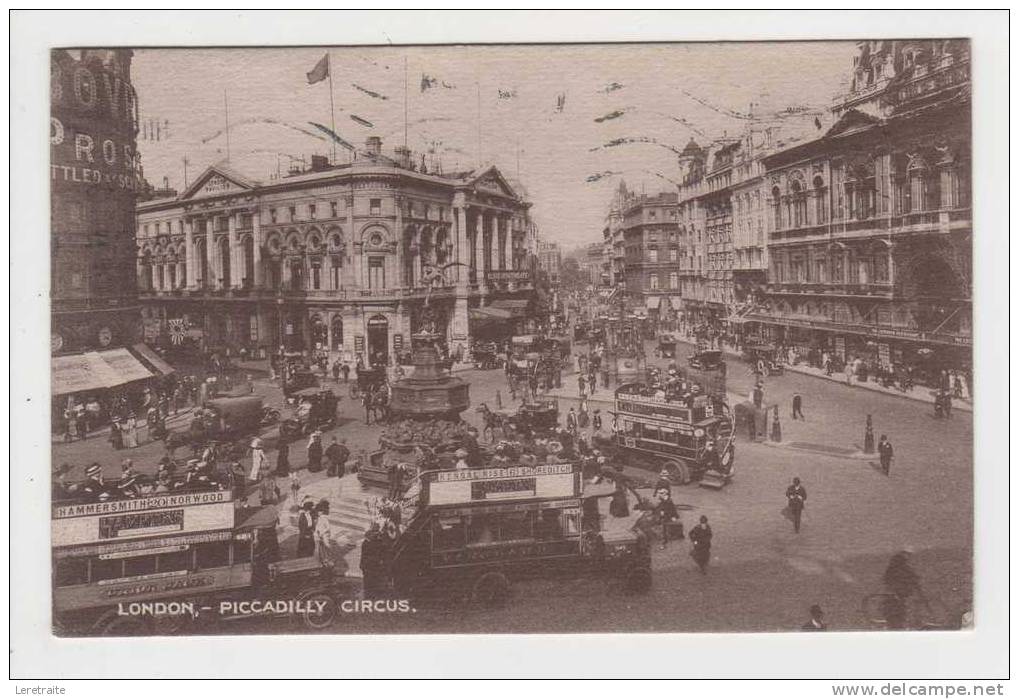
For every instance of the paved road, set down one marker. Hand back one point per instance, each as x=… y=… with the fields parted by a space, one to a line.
x=762 y=575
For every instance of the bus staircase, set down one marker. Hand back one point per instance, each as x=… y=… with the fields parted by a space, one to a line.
x=348 y=510
x=724 y=441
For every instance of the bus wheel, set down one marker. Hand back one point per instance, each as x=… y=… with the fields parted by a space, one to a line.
x=678 y=472
x=320 y=610
x=638 y=580
x=115 y=625
x=491 y=590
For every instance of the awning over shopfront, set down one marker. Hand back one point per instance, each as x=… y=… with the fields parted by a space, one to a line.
x=653 y=301
x=488 y=313
x=516 y=307
x=90 y=371
x=153 y=359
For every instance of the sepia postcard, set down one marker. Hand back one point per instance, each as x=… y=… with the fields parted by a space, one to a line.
x=512 y=338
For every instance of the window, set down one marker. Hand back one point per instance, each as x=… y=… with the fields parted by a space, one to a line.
x=376 y=273
x=654 y=281
x=332 y=209
x=145 y=228
x=109 y=569
x=293 y=213
x=139 y=565
x=448 y=534
x=334 y=272
x=673 y=280
x=316 y=275
x=652 y=255
x=375 y=207
x=673 y=255
x=311 y=211
x=176 y=560
x=549 y=525
x=653 y=214
x=70 y=571
x=253 y=328
x=214 y=554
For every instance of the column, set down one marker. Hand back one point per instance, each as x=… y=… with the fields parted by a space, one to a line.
x=492 y=253
x=503 y=221
x=236 y=254
x=256 y=235
x=191 y=268
x=460 y=219
x=210 y=255
x=479 y=247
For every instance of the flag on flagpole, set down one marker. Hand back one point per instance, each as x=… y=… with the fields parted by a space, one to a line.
x=320 y=72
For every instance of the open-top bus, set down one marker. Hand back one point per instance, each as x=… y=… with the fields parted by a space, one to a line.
x=476 y=531
x=155 y=563
x=672 y=433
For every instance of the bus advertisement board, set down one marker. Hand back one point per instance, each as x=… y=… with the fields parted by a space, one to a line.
x=120 y=520
x=513 y=483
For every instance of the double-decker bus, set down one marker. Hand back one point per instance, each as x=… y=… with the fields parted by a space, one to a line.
x=672 y=433
x=155 y=563
x=476 y=531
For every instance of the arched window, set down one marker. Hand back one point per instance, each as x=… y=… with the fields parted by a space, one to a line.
x=820 y=201
x=798 y=205
x=249 y=262
x=224 y=262
x=337 y=332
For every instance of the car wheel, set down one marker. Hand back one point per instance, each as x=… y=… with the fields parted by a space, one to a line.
x=321 y=611
x=678 y=472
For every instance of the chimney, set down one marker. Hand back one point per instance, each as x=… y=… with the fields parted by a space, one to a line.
x=403 y=157
x=373 y=146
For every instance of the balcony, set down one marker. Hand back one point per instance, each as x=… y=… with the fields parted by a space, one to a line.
x=883 y=289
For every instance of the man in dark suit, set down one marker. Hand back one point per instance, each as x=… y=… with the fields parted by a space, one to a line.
x=885 y=453
x=796 y=496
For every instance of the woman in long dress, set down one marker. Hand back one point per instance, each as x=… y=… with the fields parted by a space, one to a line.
x=258 y=460
x=130 y=430
x=283 y=459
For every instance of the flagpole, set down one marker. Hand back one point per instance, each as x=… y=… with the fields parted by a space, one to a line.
x=332 y=107
x=226 y=116
x=405 y=101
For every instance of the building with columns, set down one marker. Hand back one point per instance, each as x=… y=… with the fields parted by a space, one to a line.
x=869 y=226
x=349 y=259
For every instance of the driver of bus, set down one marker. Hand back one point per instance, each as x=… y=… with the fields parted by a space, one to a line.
x=93 y=487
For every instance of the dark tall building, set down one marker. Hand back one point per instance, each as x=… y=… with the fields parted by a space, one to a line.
x=94 y=178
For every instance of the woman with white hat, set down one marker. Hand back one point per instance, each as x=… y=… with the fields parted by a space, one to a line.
x=258 y=460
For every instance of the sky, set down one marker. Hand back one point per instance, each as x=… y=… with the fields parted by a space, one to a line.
x=666 y=92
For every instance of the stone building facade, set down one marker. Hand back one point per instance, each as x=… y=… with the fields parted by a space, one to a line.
x=349 y=260
x=870 y=226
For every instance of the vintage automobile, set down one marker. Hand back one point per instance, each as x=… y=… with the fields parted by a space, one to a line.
x=297 y=379
x=667 y=346
x=486 y=356
x=708 y=359
x=314 y=408
x=539 y=417
x=221 y=420
x=764 y=357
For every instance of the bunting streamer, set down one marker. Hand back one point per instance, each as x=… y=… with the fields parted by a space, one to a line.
x=600 y=175
x=263 y=120
x=507 y=94
x=719 y=110
x=612 y=87
x=635 y=139
x=560 y=102
x=370 y=93
x=329 y=132
x=611 y=115
x=362 y=122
